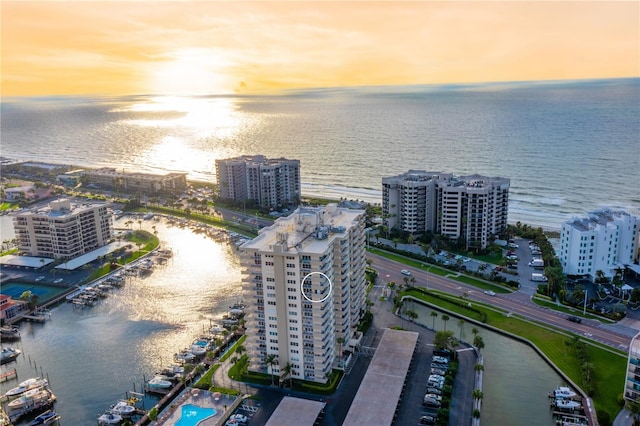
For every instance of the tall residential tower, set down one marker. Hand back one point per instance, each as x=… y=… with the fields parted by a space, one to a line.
x=267 y=182
x=305 y=276
x=473 y=208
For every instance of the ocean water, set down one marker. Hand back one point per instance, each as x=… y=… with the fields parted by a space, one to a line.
x=568 y=146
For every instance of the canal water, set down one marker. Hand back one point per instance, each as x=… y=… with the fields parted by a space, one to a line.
x=93 y=356
x=516 y=379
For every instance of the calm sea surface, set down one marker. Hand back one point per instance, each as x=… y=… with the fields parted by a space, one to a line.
x=568 y=147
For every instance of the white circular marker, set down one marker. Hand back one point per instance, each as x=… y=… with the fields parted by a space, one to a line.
x=324 y=298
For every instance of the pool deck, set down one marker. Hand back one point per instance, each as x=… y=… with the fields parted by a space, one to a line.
x=201 y=398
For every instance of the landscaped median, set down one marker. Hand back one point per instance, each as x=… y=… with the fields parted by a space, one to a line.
x=596 y=368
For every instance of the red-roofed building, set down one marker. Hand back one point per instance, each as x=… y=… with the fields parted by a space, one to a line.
x=9 y=308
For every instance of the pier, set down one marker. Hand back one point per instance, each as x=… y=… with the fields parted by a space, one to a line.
x=9 y=375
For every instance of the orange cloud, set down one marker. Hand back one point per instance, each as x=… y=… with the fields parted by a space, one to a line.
x=213 y=47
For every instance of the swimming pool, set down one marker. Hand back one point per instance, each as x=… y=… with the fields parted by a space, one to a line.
x=192 y=415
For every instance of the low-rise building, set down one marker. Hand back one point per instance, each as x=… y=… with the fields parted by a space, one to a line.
x=144 y=183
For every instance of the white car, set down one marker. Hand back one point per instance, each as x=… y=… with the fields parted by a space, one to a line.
x=490 y=293
x=40 y=278
x=236 y=419
x=405 y=272
x=58 y=280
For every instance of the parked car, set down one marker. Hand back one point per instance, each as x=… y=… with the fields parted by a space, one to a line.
x=428 y=420
x=438 y=371
x=441 y=359
x=238 y=418
x=434 y=391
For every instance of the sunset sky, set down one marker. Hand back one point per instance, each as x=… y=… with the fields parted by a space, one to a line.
x=208 y=47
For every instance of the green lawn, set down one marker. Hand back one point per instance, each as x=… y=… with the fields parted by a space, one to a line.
x=609 y=365
x=568 y=310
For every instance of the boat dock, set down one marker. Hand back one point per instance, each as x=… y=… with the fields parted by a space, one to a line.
x=9 y=375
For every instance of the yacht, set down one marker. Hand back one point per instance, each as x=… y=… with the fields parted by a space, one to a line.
x=563 y=392
x=197 y=350
x=159 y=382
x=567 y=404
x=30 y=398
x=27 y=385
x=9 y=332
x=237 y=309
x=109 y=418
x=8 y=355
x=184 y=356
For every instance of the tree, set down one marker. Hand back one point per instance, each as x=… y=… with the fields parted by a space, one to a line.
x=477 y=394
x=413 y=315
x=475 y=331
x=445 y=318
x=434 y=315
x=461 y=324
x=240 y=350
x=478 y=343
x=478 y=368
x=287 y=370
x=444 y=340
x=269 y=362
x=634 y=408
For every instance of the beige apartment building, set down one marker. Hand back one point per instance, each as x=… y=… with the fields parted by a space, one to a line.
x=474 y=208
x=305 y=279
x=63 y=229
x=145 y=183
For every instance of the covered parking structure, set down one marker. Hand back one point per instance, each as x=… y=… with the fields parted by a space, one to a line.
x=379 y=393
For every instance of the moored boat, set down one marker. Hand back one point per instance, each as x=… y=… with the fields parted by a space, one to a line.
x=123 y=408
x=109 y=418
x=29 y=384
x=563 y=392
x=159 y=382
x=46 y=418
x=9 y=332
x=184 y=356
x=567 y=404
x=29 y=398
x=9 y=354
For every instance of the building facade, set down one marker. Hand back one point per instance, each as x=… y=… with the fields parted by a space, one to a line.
x=145 y=183
x=62 y=229
x=473 y=208
x=604 y=241
x=305 y=276
x=632 y=382
x=267 y=182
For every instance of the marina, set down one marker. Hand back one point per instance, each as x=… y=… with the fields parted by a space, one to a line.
x=133 y=332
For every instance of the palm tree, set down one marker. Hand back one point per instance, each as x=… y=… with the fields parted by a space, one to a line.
x=445 y=318
x=411 y=314
x=478 y=343
x=434 y=315
x=478 y=368
x=475 y=331
x=286 y=371
x=477 y=394
x=461 y=324
x=270 y=361
x=240 y=350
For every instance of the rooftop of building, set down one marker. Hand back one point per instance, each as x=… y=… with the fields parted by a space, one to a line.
x=296 y=412
x=469 y=181
x=596 y=219
x=110 y=171
x=256 y=159
x=306 y=230
x=380 y=390
x=60 y=208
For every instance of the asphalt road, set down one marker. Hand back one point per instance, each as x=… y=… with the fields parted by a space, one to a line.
x=517 y=302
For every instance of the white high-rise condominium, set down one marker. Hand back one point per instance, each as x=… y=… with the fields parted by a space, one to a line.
x=63 y=229
x=604 y=241
x=305 y=279
x=473 y=208
x=267 y=182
